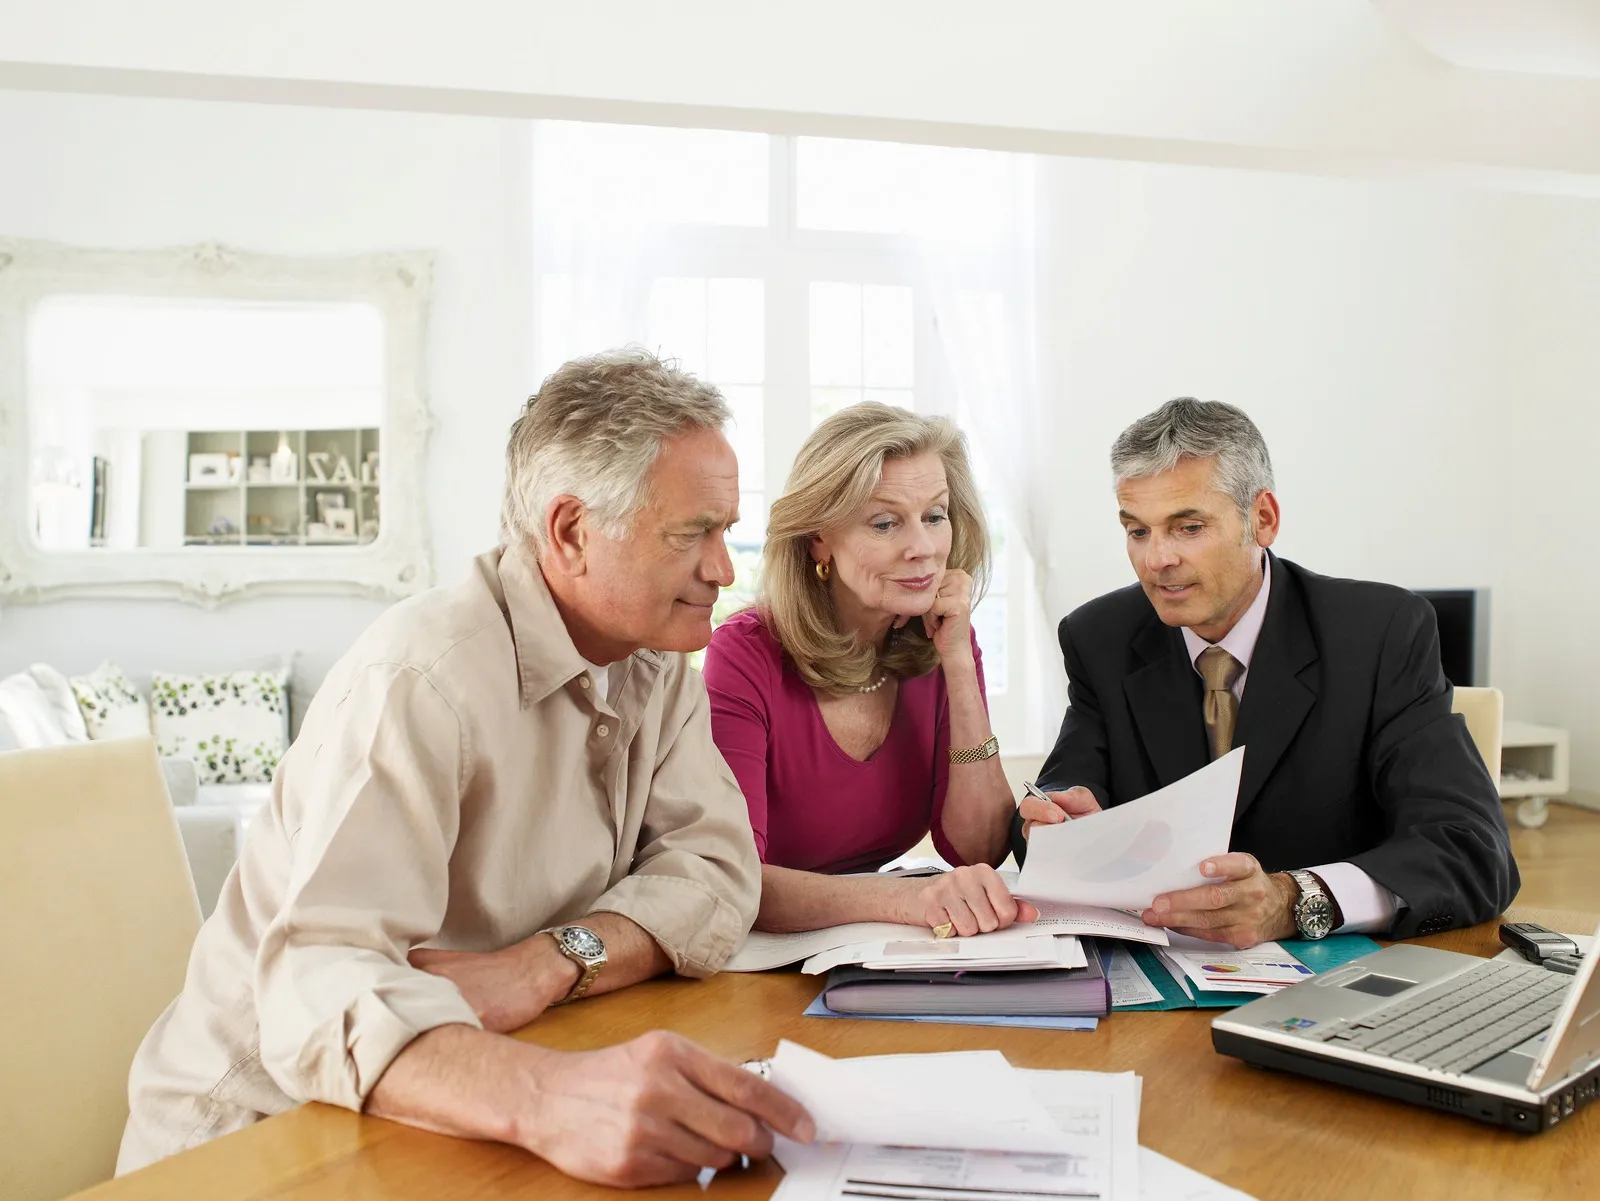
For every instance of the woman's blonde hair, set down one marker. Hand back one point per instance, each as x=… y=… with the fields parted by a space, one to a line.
x=833 y=476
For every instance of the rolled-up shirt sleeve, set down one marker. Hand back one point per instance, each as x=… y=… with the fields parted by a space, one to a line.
x=695 y=883
x=379 y=803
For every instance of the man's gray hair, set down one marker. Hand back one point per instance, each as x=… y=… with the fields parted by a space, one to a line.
x=593 y=430
x=1199 y=429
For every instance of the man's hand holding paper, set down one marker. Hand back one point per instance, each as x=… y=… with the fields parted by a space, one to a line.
x=1241 y=906
x=1149 y=852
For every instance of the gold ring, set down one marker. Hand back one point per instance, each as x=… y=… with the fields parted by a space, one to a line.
x=945 y=930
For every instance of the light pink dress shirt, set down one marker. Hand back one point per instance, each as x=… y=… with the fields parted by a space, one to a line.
x=1365 y=904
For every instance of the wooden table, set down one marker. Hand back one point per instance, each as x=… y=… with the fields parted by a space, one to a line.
x=1272 y=1135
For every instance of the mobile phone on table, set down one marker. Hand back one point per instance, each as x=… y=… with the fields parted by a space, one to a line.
x=1537 y=944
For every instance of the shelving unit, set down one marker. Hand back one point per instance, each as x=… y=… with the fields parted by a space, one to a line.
x=1534 y=768
x=240 y=511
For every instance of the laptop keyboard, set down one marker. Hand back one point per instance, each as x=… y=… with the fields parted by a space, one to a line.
x=1463 y=1022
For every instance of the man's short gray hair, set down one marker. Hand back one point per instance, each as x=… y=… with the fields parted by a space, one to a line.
x=593 y=430
x=1199 y=429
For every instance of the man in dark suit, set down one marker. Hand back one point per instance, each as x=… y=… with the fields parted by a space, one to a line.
x=1363 y=804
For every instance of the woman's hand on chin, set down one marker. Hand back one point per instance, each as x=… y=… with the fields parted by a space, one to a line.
x=973 y=900
x=949 y=621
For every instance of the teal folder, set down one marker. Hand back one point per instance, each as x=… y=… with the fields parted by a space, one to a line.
x=1320 y=956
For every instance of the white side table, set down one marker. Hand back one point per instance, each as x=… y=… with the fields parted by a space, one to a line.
x=1533 y=768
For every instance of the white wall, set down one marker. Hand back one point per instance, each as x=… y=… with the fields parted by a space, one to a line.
x=125 y=172
x=1421 y=360
x=1422 y=363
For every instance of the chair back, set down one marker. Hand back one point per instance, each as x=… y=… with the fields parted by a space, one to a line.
x=97 y=918
x=1484 y=709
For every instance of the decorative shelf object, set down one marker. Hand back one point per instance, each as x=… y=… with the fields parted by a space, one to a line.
x=1534 y=768
x=275 y=512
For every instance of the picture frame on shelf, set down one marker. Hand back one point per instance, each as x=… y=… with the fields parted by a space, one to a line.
x=341 y=522
x=210 y=467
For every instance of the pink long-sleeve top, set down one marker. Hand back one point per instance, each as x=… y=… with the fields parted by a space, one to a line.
x=813 y=807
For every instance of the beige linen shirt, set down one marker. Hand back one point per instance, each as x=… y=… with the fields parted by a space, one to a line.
x=456 y=783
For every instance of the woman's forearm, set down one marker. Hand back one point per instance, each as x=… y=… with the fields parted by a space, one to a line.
x=795 y=900
x=977 y=801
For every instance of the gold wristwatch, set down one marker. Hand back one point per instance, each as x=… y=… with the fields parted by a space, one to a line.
x=986 y=749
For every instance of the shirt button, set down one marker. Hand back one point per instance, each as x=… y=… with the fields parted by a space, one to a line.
x=583 y=681
x=602 y=730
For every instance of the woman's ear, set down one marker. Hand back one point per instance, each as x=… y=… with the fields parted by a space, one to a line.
x=819 y=549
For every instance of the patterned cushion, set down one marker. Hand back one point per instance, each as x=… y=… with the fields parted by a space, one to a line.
x=111 y=705
x=235 y=727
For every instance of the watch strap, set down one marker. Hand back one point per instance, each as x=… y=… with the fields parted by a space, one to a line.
x=986 y=749
x=588 y=969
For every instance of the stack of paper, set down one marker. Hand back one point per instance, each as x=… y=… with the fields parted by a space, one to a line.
x=1213 y=967
x=960 y=1125
x=967 y=1126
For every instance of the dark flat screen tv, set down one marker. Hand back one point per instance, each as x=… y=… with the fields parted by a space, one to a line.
x=1463 y=615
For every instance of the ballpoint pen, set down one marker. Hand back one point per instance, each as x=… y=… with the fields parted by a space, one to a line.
x=1033 y=790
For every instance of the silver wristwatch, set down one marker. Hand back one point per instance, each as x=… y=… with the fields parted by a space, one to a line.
x=585 y=948
x=1314 y=911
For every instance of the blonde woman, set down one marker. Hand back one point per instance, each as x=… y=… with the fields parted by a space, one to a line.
x=849 y=702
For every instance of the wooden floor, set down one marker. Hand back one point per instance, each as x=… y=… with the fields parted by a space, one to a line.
x=1560 y=861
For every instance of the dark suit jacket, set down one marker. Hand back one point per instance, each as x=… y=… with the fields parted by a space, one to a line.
x=1351 y=751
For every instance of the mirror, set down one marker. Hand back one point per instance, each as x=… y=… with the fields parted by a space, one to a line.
x=210 y=422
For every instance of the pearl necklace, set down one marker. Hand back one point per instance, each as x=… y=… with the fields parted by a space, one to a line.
x=882 y=680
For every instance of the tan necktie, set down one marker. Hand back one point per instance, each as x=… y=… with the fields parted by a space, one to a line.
x=1219 y=670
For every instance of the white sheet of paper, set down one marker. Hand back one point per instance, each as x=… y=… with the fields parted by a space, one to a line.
x=1129 y=984
x=1016 y=947
x=1059 y=917
x=762 y=951
x=1095 y=1116
x=1022 y=953
x=971 y=1100
x=1163 y=1179
x=1129 y=854
x=1216 y=967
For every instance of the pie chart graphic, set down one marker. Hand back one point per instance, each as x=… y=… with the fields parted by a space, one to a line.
x=1123 y=853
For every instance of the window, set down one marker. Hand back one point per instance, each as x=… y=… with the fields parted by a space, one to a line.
x=781 y=270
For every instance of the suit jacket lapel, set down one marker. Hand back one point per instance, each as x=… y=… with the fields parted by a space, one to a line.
x=1165 y=697
x=1281 y=686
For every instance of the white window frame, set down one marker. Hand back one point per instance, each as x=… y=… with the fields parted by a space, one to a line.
x=788 y=259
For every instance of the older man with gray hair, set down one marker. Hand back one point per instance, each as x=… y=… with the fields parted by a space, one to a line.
x=504 y=797
x=1363 y=804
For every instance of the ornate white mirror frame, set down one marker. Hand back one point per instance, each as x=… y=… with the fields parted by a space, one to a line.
x=395 y=563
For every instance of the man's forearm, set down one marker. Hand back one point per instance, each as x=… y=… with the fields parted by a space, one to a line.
x=458 y=1080
x=631 y=954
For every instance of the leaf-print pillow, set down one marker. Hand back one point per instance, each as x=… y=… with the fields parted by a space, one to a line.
x=235 y=726
x=110 y=704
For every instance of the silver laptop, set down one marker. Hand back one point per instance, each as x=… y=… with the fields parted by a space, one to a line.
x=1504 y=1042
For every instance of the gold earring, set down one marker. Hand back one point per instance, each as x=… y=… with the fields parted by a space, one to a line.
x=824 y=570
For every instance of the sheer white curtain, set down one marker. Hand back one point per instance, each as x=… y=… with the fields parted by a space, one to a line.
x=981 y=284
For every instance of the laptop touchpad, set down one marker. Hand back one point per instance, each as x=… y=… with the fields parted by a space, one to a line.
x=1380 y=986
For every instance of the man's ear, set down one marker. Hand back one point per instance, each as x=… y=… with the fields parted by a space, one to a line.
x=1266 y=517
x=566 y=536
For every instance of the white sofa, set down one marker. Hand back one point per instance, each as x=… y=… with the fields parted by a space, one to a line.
x=212 y=818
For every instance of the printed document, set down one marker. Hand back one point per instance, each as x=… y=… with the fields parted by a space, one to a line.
x=1089 y=1148
x=1125 y=856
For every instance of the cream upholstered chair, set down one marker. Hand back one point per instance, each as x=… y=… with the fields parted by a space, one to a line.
x=97 y=917
x=1484 y=709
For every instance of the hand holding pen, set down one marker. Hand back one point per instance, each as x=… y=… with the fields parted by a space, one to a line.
x=1039 y=808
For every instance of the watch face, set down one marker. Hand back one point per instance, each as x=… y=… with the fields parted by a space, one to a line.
x=583 y=942
x=1314 y=916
